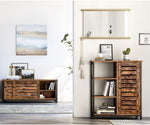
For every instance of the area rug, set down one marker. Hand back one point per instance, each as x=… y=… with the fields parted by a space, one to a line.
x=130 y=122
x=36 y=108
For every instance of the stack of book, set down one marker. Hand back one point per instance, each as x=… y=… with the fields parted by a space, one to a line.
x=109 y=88
x=108 y=110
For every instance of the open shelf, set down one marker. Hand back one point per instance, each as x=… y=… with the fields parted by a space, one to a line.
x=105 y=38
x=107 y=78
x=47 y=98
x=103 y=114
x=100 y=96
x=46 y=90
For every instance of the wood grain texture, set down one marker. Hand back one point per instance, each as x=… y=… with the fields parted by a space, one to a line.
x=28 y=89
x=129 y=80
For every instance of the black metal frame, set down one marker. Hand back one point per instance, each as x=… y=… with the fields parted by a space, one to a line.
x=56 y=93
x=141 y=90
x=92 y=88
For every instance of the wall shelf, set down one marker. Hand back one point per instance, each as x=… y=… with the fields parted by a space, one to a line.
x=105 y=38
x=105 y=9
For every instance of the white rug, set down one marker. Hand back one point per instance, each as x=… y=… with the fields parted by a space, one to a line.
x=130 y=122
x=36 y=108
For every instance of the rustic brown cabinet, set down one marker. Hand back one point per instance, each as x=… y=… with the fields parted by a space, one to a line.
x=28 y=89
x=127 y=99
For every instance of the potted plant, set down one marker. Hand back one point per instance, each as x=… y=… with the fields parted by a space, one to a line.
x=126 y=54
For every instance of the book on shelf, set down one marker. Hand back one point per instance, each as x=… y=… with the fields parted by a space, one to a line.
x=111 y=107
x=112 y=88
x=109 y=88
x=52 y=86
x=105 y=111
x=106 y=88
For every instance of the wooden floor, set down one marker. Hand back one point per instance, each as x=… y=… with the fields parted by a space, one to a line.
x=41 y=119
x=48 y=119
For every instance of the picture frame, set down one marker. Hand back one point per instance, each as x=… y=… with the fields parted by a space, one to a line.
x=31 y=39
x=28 y=73
x=107 y=51
x=19 y=67
x=144 y=38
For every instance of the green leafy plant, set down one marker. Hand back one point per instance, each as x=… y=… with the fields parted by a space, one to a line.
x=70 y=48
x=127 y=51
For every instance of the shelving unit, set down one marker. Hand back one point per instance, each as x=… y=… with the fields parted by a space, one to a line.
x=29 y=89
x=127 y=99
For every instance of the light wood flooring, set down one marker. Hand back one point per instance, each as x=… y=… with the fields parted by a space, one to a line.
x=43 y=119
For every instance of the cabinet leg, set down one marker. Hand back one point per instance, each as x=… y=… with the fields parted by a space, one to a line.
x=140 y=117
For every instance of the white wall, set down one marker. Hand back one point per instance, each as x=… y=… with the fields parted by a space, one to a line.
x=57 y=15
x=139 y=22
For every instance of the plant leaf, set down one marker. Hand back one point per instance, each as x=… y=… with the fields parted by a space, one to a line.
x=65 y=37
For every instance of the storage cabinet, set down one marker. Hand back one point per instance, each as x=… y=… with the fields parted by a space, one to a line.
x=29 y=89
x=127 y=99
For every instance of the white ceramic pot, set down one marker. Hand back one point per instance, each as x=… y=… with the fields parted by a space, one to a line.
x=126 y=57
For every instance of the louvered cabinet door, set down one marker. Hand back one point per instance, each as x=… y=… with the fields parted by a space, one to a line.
x=129 y=88
x=8 y=90
x=26 y=90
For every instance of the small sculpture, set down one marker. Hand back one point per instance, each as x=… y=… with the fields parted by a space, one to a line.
x=88 y=34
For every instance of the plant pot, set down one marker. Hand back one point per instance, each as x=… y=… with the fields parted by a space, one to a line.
x=126 y=57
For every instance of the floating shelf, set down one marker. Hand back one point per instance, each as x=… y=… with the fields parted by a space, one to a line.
x=105 y=38
x=117 y=61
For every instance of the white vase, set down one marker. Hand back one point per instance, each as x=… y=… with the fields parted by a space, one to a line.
x=126 y=57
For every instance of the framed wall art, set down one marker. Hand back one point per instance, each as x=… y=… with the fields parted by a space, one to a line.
x=144 y=38
x=107 y=51
x=31 y=40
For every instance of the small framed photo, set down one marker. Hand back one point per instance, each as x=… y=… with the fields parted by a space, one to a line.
x=144 y=38
x=19 y=67
x=107 y=50
x=28 y=74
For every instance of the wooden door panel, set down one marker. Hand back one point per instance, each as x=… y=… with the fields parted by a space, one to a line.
x=129 y=88
x=26 y=90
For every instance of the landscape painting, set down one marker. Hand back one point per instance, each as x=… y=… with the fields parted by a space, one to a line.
x=31 y=40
